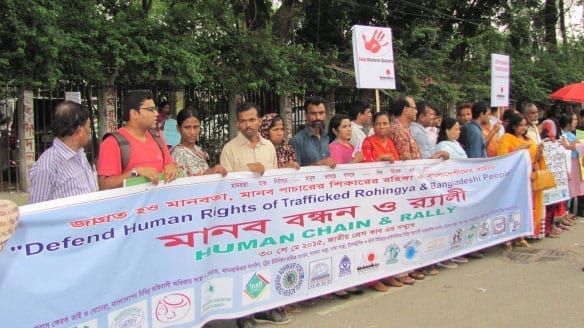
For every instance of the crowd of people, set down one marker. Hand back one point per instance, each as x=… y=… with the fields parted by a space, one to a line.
x=406 y=131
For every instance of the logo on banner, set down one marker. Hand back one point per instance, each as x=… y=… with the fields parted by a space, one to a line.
x=368 y=263
x=256 y=286
x=133 y=316
x=173 y=308
x=515 y=221
x=456 y=238
x=289 y=279
x=217 y=294
x=485 y=230
x=320 y=273
x=344 y=266
x=391 y=254
x=499 y=225
x=471 y=233
x=411 y=249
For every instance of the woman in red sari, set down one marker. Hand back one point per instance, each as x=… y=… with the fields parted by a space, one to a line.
x=378 y=147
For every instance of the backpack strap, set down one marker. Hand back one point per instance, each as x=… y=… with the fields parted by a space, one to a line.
x=124 y=145
x=156 y=135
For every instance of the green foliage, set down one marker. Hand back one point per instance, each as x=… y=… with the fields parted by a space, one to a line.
x=442 y=47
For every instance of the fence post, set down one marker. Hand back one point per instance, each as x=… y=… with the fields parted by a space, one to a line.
x=26 y=149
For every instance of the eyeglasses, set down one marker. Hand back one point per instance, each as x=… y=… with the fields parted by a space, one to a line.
x=150 y=109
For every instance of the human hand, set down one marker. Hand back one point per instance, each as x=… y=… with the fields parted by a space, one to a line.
x=358 y=157
x=257 y=168
x=217 y=169
x=149 y=173
x=170 y=172
x=328 y=161
x=292 y=165
x=386 y=157
x=374 y=44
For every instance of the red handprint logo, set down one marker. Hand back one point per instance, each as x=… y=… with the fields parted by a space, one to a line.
x=375 y=43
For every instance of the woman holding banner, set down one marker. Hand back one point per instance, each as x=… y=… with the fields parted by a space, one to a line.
x=513 y=140
x=380 y=148
x=189 y=157
x=569 y=141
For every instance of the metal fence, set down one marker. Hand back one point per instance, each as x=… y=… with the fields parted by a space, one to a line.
x=211 y=102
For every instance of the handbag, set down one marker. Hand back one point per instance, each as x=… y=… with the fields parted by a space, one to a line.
x=542 y=179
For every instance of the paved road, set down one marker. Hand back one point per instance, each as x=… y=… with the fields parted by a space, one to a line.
x=538 y=287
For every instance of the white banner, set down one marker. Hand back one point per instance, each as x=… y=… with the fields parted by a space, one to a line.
x=500 y=74
x=207 y=248
x=373 y=57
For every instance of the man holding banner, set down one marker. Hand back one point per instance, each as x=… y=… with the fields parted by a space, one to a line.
x=148 y=157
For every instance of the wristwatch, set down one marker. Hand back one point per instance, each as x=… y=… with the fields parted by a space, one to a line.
x=134 y=173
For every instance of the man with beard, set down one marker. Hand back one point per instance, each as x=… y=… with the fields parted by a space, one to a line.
x=312 y=143
x=248 y=151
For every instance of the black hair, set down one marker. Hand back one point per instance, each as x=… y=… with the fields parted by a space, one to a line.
x=357 y=107
x=314 y=100
x=186 y=113
x=513 y=123
x=247 y=106
x=479 y=108
x=398 y=105
x=447 y=124
x=566 y=119
x=334 y=123
x=133 y=100
x=68 y=116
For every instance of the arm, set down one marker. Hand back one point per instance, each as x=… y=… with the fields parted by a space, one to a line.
x=296 y=145
x=473 y=143
x=226 y=159
x=40 y=183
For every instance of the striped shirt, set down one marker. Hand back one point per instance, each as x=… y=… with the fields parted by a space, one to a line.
x=59 y=172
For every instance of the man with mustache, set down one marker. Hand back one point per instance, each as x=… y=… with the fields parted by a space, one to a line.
x=248 y=151
x=312 y=143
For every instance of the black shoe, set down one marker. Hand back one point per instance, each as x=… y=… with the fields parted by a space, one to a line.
x=275 y=316
x=247 y=322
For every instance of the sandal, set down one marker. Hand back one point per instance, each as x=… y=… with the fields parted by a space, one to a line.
x=292 y=309
x=417 y=275
x=522 y=243
x=355 y=291
x=407 y=280
x=431 y=272
x=342 y=294
x=508 y=246
x=393 y=282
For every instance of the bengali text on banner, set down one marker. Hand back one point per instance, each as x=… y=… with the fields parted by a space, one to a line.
x=206 y=248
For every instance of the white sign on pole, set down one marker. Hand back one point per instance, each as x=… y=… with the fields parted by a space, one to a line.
x=373 y=57
x=500 y=73
x=74 y=96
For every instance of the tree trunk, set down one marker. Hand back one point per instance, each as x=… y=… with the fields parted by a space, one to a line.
x=26 y=149
x=550 y=12
x=563 y=22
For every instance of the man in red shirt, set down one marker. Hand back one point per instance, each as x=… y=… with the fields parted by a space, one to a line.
x=147 y=157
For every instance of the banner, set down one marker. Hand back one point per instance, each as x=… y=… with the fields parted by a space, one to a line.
x=500 y=74
x=557 y=163
x=373 y=57
x=206 y=248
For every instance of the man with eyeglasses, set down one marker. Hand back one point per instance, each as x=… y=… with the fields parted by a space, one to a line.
x=63 y=170
x=149 y=155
